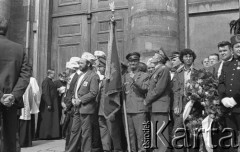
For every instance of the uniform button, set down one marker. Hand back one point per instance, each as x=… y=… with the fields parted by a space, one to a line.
x=233 y=74
x=230 y=90
x=230 y=84
x=231 y=79
x=234 y=69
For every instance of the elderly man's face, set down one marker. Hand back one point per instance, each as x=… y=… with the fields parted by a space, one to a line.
x=213 y=59
x=206 y=62
x=151 y=67
x=133 y=64
x=176 y=62
x=236 y=49
x=102 y=69
x=52 y=74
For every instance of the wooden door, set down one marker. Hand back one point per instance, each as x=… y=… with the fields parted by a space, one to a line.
x=83 y=25
x=100 y=25
x=69 y=31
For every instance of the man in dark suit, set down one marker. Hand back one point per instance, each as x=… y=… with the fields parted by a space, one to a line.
x=158 y=97
x=229 y=87
x=84 y=102
x=14 y=79
x=136 y=87
x=225 y=53
x=71 y=69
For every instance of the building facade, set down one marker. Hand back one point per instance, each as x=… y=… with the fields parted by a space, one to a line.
x=54 y=30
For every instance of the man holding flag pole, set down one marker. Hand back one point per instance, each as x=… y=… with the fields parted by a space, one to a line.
x=113 y=84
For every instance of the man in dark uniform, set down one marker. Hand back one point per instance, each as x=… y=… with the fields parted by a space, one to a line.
x=158 y=97
x=229 y=87
x=135 y=90
x=14 y=79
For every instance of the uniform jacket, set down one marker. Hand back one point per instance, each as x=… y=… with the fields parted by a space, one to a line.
x=15 y=71
x=229 y=82
x=178 y=89
x=158 y=95
x=87 y=92
x=136 y=90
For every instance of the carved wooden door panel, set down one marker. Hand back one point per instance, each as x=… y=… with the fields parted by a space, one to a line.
x=69 y=32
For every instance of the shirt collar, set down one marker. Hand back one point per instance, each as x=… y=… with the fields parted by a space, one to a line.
x=190 y=69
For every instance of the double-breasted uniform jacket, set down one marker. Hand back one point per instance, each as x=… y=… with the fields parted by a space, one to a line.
x=14 y=78
x=87 y=92
x=158 y=95
x=135 y=90
x=178 y=89
x=229 y=82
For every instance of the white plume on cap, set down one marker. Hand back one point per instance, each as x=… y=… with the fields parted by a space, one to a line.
x=74 y=59
x=99 y=53
x=88 y=56
x=72 y=65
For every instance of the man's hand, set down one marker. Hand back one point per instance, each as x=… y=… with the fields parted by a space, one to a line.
x=228 y=102
x=49 y=108
x=176 y=111
x=131 y=74
x=7 y=100
x=112 y=118
x=144 y=103
x=76 y=102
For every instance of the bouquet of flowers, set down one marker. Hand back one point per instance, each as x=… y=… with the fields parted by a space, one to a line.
x=202 y=88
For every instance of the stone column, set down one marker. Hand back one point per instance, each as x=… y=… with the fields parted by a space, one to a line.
x=153 y=24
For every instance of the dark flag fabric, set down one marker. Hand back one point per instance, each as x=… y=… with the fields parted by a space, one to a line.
x=113 y=86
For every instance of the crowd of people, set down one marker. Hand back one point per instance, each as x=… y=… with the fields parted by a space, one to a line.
x=153 y=92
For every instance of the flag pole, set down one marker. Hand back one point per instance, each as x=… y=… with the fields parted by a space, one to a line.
x=112 y=7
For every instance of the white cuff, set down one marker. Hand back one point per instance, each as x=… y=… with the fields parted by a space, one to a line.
x=232 y=102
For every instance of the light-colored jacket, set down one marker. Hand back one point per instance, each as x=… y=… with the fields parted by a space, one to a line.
x=31 y=100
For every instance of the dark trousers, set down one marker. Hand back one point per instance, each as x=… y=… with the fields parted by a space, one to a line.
x=96 y=138
x=81 y=133
x=160 y=120
x=110 y=134
x=135 y=125
x=9 y=127
x=75 y=136
x=67 y=125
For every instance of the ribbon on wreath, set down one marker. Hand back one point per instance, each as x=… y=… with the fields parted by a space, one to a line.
x=187 y=110
x=206 y=131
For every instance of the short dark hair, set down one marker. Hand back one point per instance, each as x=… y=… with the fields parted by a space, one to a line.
x=224 y=43
x=3 y=25
x=142 y=67
x=50 y=71
x=214 y=54
x=186 y=52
